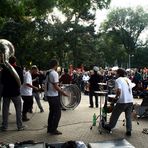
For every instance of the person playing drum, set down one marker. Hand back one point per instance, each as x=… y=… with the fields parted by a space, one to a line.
x=124 y=103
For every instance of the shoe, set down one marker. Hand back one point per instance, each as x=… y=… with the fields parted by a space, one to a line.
x=96 y=106
x=21 y=128
x=128 y=133
x=90 y=106
x=3 y=129
x=25 y=119
x=106 y=128
x=63 y=109
x=56 y=133
x=30 y=111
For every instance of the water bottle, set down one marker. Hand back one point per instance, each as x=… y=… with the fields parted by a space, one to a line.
x=94 y=119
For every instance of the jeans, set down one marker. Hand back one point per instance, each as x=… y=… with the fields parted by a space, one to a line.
x=118 y=109
x=18 y=108
x=37 y=98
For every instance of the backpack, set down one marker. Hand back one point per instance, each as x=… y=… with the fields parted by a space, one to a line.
x=47 y=80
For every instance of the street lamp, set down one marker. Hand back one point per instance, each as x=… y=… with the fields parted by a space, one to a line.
x=129 y=60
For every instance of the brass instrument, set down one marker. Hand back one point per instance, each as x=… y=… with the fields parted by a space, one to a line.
x=6 y=51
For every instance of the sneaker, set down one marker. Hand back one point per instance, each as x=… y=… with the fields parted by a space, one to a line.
x=106 y=128
x=25 y=119
x=128 y=133
x=3 y=129
x=21 y=128
x=56 y=133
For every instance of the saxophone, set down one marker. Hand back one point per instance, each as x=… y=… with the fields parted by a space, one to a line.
x=6 y=51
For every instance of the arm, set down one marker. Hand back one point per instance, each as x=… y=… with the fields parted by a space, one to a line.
x=118 y=92
x=33 y=87
x=55 y=85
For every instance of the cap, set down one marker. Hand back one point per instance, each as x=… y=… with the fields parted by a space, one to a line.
x=34 y=66
x=95 y=68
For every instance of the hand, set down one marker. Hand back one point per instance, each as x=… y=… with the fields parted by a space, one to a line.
x=65 y=94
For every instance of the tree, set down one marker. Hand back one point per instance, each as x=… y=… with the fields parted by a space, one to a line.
x=25 y=23
x=121 y=35
x=128 y=25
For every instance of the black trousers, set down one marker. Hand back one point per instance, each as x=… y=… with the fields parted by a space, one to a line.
x=91 y=94
x=27 y=103
x=54 y=113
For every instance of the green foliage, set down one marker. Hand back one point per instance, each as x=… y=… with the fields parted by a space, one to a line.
x=120 y=34
x=128 y=24
x=37 y=40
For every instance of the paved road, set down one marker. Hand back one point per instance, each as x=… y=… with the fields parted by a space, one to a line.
x=74 y=124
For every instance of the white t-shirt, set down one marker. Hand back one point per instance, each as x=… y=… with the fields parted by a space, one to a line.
x=85 y=78
x=51 y=78
x=26 y=90
x=125 y=85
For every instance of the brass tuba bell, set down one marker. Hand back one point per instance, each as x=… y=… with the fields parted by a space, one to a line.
x=6 y=51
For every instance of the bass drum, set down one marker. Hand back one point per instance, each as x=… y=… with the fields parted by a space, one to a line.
x=74 y=99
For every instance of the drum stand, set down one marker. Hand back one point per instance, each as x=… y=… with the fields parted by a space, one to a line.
x=102 y=119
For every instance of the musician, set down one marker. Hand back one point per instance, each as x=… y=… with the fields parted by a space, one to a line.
x=124 y=103
x=11 y=92
x=95 y=78
x=52 y=92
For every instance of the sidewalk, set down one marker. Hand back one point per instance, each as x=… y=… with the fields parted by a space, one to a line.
x=74 y=124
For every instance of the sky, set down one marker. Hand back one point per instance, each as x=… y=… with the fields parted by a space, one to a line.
x=101 y=14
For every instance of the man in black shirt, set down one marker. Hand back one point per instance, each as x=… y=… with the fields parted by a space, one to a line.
x=11 y=92
x=94 y=86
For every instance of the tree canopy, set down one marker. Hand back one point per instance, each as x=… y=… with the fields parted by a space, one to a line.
x=38 y=34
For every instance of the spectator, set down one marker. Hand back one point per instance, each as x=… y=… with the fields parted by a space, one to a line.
x=35 y=82
x=94 y=86
x=65 y=78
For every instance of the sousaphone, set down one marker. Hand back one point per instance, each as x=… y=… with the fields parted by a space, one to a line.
x=6 y=51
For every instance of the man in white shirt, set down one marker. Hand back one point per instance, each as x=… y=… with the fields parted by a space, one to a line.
x=52 y=91
x=26 y=93
x=124 y=102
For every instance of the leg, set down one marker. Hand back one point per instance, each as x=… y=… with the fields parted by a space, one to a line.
x=91 y=98
x=26 y=106
x=128 y=111
x=18 y=108
x=5 y=112
x=96 y=99
x=37 y=98
x=55 y=113
x=118 y=109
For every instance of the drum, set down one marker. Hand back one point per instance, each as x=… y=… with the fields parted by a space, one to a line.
x=74 y=98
